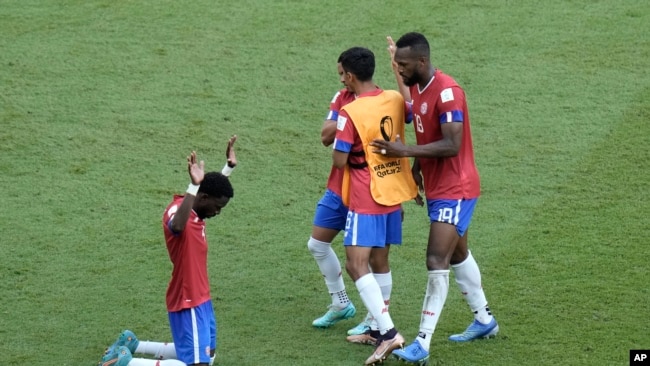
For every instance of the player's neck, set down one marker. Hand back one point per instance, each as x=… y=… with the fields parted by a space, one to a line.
x=431 y=71
x=365 y=87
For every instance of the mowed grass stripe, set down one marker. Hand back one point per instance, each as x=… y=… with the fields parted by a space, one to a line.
x=578 y=268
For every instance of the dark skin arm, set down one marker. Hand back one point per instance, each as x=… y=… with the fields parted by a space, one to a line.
x=417 y=177
x=403 y=89
x=196 y=171
x=417 y=174
x=231 y=158
x=449 y=145
x=328 y=132
x=339 y=158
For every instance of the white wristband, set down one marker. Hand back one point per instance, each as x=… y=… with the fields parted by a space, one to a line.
x=227 y=170
x=193 y=189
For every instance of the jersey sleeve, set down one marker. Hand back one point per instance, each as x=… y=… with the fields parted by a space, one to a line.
x=408 y=112
x=335 y=106
x=451 y=103
x=345 y=132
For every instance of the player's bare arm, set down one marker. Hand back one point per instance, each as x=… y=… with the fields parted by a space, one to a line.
x=417 y=174
x=339 y=158
x=449 y=145
x=231 y=158
x=417 y=177
x=196 y=171
x=403 y=89
x=328 y=132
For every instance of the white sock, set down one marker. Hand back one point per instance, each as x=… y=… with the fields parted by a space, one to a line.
x=340 y=299
x=330 y=268
x=371 y=295
x=160 y=350
x=150 y=362
x=434 y=300
x=468 y=278
x=385 y=282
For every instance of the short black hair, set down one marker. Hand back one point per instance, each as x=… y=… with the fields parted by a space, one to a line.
x=217 y=185
x=359 y=61
x=417 y=41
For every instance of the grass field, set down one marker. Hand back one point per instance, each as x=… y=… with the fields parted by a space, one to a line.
x=101 y=101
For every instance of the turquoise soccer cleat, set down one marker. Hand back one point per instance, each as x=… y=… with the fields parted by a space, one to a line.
x=120 y=356
x=128 y=339
x=334 y=316
x=361 y=328
x=477 y=330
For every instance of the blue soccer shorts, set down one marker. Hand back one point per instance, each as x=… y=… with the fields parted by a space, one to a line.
x=456 y=212
x=331 y=213
x=194 y=332
x=373 y=230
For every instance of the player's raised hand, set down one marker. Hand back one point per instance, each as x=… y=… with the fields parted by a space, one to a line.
x=230 y=152
x=195 y=168
x=391 y=51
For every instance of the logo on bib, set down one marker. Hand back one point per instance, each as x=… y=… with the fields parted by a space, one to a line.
x=386 y=123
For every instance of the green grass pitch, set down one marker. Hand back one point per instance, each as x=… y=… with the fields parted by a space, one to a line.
x=101 y=101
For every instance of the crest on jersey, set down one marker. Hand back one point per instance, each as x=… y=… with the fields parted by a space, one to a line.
x=423 y=108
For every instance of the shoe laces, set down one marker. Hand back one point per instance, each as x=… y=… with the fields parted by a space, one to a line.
x=331 y=311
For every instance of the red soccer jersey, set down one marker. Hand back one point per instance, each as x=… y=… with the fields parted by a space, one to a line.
x=348 y=140
x=443 y=101
x=341 y=98
x=188 y=251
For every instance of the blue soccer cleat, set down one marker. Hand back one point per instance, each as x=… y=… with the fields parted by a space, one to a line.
x=413 y=353
x=334 y=316
x=120 y=356
x=128 y=339
x=477 y=330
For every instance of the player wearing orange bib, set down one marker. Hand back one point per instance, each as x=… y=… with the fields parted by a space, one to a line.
x=378 y=186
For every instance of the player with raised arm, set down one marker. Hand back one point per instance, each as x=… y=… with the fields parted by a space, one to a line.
x=445 y=162
x=189 y=305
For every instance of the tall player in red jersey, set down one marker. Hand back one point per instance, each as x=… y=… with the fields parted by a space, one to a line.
x=445 y=163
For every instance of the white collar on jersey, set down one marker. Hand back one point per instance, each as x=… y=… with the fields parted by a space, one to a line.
x=420 y=91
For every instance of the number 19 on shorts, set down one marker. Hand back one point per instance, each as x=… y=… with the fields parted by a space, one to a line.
x=447 y=215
